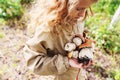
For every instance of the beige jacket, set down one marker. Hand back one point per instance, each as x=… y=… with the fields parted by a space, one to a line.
x=45 y=52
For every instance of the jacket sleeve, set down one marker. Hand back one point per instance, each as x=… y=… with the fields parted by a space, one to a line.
x=37 y=59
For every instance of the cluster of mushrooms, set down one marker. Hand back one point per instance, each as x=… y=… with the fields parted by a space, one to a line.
x=81 y=49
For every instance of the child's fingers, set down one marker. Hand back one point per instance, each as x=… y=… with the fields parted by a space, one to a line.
x=89 y=63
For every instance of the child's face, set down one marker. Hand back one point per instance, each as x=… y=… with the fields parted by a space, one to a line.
x=79 y=9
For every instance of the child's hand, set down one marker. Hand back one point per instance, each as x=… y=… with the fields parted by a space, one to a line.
x=89 y=64
x=74 y=63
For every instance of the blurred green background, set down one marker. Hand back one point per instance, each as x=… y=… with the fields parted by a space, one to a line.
x=108 y=41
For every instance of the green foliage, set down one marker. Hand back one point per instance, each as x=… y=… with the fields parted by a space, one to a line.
x=108 y=40
x=2 y=35
x=116 y=74
x=107 y=6
x=26 y=1
x=113 y=5
x=2 y=21
x=10 y=9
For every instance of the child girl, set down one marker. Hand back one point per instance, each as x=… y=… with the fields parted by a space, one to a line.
x=56 y=23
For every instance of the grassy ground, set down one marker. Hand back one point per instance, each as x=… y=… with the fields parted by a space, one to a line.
x=12 y=63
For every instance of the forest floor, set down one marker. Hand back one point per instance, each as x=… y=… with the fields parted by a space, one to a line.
x=12 y=62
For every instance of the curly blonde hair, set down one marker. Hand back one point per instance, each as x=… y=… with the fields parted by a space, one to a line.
x=53 y=12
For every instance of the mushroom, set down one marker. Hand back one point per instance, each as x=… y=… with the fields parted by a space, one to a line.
x=73 y=54
x=70 y=47
x=77 y=41
x=86 y=52
x=85 y=55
